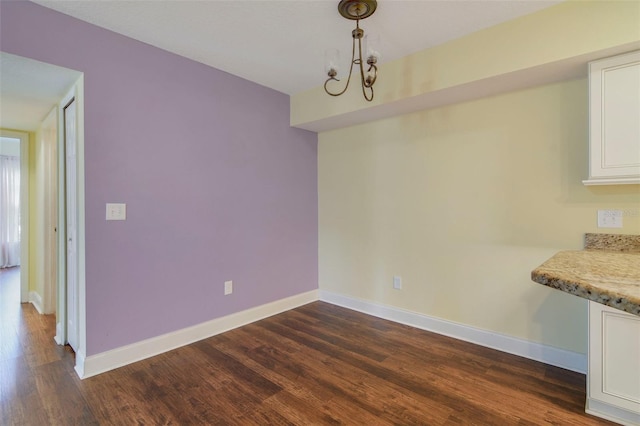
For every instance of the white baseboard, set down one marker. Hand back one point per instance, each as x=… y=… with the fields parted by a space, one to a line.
x=109 y=360
x=611 y=412
x=536 y=351
x=58 y=337
x=80 y=362
x=105 y=361
x=36 y=300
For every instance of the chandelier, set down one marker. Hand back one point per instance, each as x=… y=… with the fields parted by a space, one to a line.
x=355 y=10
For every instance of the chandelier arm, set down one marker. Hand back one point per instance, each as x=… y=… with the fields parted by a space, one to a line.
x=372 y=80
x=364 y=93
x=353 y=61
x=363 y=81
x=327 y=90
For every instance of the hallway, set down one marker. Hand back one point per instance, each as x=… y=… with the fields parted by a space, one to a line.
x=26 y=345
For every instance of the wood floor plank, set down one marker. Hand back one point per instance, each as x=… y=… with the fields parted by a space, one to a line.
x=319 y=364
x=431 y=391
x=287 y=375
x=61 y=398
x=19 y=399
x=313 y=374
x=301 y=411
x=37 y=346
x=123 y=395
x=10 y=347
x=373 y=393
x=261 y=387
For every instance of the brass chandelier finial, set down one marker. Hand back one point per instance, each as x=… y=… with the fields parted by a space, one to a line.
x=355 y=10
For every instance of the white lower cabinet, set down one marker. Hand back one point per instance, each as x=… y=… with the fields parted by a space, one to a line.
x=613 y=378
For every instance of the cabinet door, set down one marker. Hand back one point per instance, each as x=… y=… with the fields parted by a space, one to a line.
x=614 y=360
x=614 y=103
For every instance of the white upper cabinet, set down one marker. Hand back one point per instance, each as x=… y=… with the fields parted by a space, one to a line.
x=614 y=120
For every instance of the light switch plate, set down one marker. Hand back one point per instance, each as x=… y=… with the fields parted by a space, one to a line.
x=397 y=282
x=116 y=211
x=609 y=218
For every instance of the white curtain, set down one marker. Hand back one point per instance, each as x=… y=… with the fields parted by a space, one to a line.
x=9 y=211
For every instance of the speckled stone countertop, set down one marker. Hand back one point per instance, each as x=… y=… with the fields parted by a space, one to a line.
x=607 y=274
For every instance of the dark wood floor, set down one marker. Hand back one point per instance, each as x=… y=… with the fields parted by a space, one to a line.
x=318 y=364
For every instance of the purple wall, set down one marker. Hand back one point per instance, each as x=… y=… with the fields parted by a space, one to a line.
x=217 y=185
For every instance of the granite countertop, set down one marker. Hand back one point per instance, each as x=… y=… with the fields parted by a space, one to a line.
x=605 y=274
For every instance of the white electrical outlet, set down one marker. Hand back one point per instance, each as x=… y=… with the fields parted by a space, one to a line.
x=609 y=218
x=228 y=287
x=397 y=282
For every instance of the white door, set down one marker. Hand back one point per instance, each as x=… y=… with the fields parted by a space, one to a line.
x=70 y=142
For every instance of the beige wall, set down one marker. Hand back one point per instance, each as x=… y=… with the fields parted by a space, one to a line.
x=463 y=202
x=33 y=212
x=37 y=205
x=42 y=184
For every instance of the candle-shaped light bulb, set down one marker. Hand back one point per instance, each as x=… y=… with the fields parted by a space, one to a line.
x=371 y=48
x=332 y=62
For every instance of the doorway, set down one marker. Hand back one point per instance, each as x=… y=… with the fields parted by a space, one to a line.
x=14 y=200
x=48 y=87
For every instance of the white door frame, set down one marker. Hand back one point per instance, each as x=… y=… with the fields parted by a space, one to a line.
x=71 y=163
x=76 y=92
x=49 y=181
x=25 y=140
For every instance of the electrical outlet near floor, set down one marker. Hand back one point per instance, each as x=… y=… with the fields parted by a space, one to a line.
x=228 y=287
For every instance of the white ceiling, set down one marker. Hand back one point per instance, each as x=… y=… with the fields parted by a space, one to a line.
x=281 y=43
